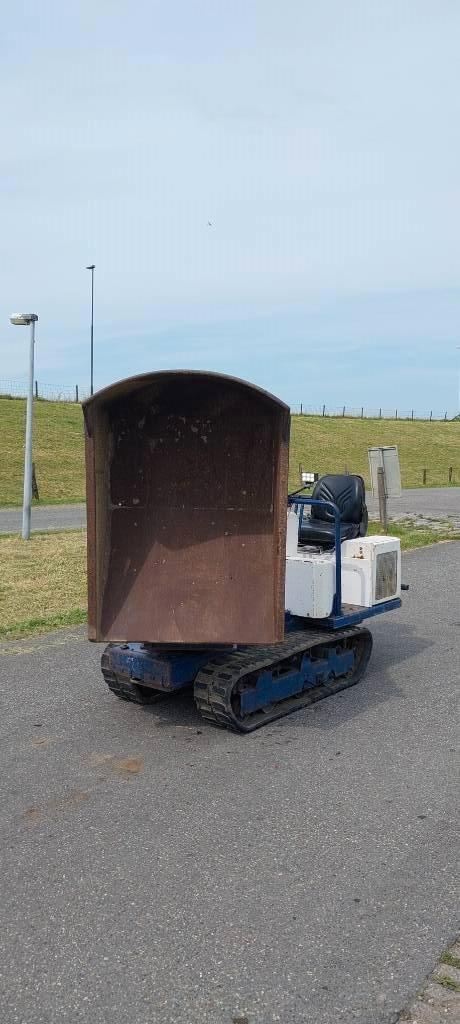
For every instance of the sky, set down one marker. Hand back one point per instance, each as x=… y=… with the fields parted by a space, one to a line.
x=267 y=189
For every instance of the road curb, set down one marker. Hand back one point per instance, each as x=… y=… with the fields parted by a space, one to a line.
x=439 y=999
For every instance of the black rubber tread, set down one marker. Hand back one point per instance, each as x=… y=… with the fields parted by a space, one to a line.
x=126 y=689
x=217 y=682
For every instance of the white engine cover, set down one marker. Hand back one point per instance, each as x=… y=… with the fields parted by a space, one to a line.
x=310 y=584
x=371 y=573
x=371 y=570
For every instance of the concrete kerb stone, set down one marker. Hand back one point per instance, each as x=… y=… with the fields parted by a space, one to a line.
x=439 y=999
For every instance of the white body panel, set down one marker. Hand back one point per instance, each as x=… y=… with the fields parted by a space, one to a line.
x=310 y=585
x=309 y=576
x=371 y=570
x=371 y=573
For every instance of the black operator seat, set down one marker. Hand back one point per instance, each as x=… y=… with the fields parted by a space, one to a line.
x=349 y=494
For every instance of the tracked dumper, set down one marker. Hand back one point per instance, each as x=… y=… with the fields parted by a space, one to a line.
x=204 y=572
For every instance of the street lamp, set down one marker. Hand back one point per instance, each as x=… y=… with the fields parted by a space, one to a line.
x=92 y=268
x=458 y=350
x=27 y=320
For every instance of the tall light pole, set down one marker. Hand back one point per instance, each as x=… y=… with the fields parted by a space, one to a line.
x=458 y=350
x=92 y=268
x=24 y=320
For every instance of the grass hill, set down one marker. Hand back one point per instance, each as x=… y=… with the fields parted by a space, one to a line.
x=58 y=449
x=334 y=445
x=317 y=444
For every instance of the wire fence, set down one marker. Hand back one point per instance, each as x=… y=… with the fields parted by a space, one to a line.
x=361 y=412
x=17 y=388
x=46 y=392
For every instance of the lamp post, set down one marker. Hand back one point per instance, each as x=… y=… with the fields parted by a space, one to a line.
x=24 y=320
x=92 y=268
x=458 y=350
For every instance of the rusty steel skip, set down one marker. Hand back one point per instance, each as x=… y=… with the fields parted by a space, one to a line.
x=186 y=507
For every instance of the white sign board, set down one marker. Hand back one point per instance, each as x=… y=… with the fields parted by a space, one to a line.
x=385 y=458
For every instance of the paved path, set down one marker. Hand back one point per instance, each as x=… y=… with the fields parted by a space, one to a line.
x=430 y=505
x=44 y=517
x=156 y=870
x=438 y=504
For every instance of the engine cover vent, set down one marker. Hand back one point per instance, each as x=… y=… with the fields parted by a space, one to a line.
x=386 y=575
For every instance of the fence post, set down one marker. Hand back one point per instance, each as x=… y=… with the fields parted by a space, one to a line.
x=396 y=414
x=412 y=413
x=450 y=474
x=343 y=411
x=362 y=412
x=380 y=414
x=445 y=415
x=324 y=410
x=36 y=389
x=424 y=476
x=76 y=392
x=382 y=497
x=431 y=415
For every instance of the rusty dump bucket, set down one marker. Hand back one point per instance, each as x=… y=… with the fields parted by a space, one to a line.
x=186 y=478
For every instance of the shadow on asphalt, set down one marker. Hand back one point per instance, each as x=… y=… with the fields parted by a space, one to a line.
x=399 y=642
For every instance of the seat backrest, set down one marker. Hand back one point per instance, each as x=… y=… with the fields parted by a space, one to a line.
x=346 y=491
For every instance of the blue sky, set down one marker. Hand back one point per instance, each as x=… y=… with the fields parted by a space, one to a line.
x=322 y=142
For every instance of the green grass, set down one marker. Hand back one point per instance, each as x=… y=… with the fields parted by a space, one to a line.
x=446 y=982
x=42 y=583
x=415 y=536
x=334 y=445
x=58 y=451
x=28 y=627
x=451 y=960
x=323 y=445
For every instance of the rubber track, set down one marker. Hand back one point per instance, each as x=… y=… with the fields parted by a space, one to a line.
x=126 y=690
x=215 y=682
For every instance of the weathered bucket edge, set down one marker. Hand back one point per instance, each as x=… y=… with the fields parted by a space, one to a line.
x=131 y=384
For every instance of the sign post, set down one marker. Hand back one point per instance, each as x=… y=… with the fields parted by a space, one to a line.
x=382 y=498
x=385 y=477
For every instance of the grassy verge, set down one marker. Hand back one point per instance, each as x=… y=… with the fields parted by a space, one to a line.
x=415 y=536
x=28 y=627
x=41 y=504
x=43 y=583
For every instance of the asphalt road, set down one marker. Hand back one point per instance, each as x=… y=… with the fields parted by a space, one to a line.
x=438 y=503
x=44 y=517
x=155 y=870
x=424 y=503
